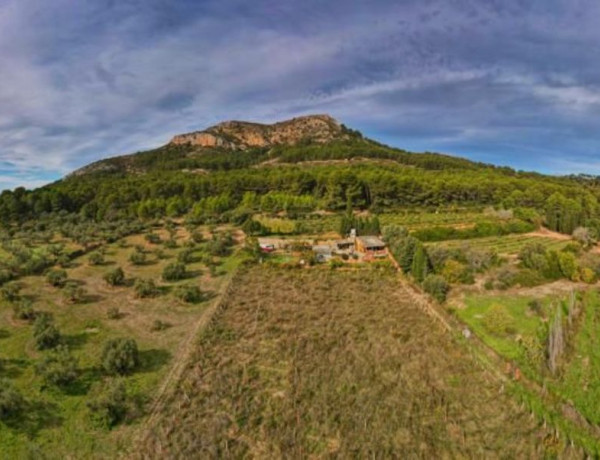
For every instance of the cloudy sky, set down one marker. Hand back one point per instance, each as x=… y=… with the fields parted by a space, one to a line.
x=512 y=82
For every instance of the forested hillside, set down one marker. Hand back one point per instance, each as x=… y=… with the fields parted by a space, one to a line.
x=220 y=184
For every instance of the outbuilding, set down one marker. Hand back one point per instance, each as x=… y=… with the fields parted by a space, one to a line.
x=369 y=244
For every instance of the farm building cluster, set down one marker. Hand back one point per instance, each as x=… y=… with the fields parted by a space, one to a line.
x=363 y=248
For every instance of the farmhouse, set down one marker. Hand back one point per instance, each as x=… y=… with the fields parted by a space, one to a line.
x=369 y=244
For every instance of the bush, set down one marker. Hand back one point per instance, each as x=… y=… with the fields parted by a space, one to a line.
x=59 y=369
x=145 y=288
x=11 y=292
x=152 y=238
x=96 y=258
x=12 y=402
x=335 y=263
x=454 y=272
x=499 y=321
x=56 y=277
x=437 y=287
x=23 y=310
x=74 y=293
x=197 y=236
x=45 y=333
x=587 y=275
x=109 y=403
x=120 y=356
x=188 y=293
x=174 y=272
x=186 y=256
x=115 y=277
x=137 y=258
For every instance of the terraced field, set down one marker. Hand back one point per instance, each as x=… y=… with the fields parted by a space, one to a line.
x=509 y=244
x=320 y=363
x=414 y=221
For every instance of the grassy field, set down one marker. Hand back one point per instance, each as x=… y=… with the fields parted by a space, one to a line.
x=518 y=330
x=320 y=363
x=57 y=424
x=419 y=220
x=508 y=244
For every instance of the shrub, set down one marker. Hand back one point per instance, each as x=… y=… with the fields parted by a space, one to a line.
x=74 y=293
x=108 y=403
x=436 y=286
x=45 y=333
x=137 y=258
x=12 y=402
x=152 y=238
x=498 y=320
x=587 y=275
x=23 y=310
x=188 y=293
x=568 y=266
x=96 y=258
x=185 y=256
x=145 y=288
x=11 y=292
x=454 y=272
x=174 y=272
x=56 y=277
x=115 y=277
x=59 y=369
x=335 y=263
x=170 y=244
x=120 y=356
x=197 y=236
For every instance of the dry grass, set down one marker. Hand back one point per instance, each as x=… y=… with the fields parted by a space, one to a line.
x=314 y=363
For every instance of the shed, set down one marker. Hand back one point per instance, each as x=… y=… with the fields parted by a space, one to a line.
x=323 y=252
x=369 y=244
x=344 y=245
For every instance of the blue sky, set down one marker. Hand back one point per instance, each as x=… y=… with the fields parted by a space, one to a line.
x=511 y=82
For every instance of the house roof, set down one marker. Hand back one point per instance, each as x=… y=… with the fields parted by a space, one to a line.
x=322 y=249
x=370 y=241
x=346 y=241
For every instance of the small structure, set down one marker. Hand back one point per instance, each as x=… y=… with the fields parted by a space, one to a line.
x=344 y=245
x=323 y=252
x=370 y=245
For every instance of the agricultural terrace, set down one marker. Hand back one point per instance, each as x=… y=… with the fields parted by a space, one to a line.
x=508 y=244
x=419 y=220
x=554 y=340
x=317 y=363
x=58 y=420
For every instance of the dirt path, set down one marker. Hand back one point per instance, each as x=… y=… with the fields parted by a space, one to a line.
x=543 y=232
x=182 y=358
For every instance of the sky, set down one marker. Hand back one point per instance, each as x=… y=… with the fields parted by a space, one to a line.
x=510 y=82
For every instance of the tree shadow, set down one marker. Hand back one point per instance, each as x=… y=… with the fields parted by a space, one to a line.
x=35 y=416
x=152 y=360
x=4 y=334
x=75 y=341
x=86 y=378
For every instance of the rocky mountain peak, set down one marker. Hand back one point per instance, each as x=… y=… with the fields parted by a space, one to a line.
x=240 y=135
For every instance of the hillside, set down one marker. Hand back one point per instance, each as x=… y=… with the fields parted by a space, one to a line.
x=218 y=174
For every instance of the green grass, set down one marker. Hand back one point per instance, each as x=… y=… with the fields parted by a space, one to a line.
x=419 y=220
x=508 y=244
x=58 y=423
x=577 y=378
